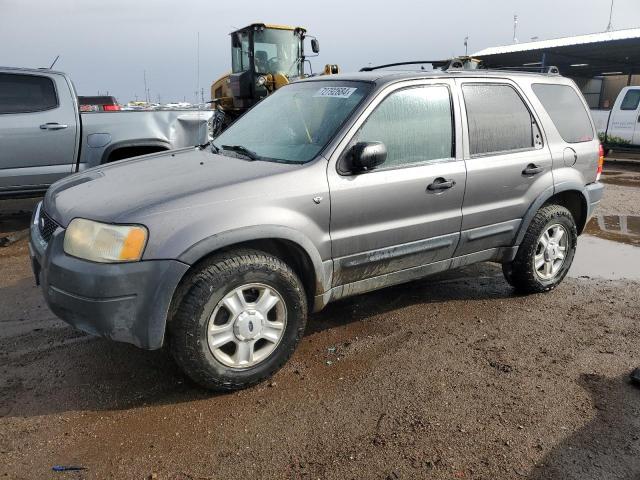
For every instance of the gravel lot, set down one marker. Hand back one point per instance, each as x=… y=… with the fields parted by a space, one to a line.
x=447 y=378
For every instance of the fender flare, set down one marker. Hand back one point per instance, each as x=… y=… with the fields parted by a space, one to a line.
x=145 y=142
x=322 y=270
x=542 y=198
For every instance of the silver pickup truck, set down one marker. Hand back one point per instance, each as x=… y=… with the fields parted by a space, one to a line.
x=43 y=136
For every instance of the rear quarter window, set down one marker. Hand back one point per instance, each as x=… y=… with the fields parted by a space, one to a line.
x=26 y=93
x=566 y=110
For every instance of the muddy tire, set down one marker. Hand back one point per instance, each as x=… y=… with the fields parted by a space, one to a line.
x=546 y=252
x=240 y=319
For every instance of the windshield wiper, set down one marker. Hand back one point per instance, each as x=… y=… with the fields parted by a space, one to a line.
x=250 y=154
x=214 y=148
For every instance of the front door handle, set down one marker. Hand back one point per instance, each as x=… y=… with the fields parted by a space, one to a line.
x=532 y=169
x=53 y=126
x=441 y=184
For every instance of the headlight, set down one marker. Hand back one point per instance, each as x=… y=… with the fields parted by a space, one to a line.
x=101 y=242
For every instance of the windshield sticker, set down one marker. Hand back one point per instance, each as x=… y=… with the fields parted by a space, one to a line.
x=335 y=92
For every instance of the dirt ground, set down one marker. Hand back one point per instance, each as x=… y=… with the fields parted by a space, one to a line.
x=452 y=377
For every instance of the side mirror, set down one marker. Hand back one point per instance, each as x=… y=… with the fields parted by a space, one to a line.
x=365 y=156
x=315 y=45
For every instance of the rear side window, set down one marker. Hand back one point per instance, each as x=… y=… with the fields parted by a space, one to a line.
x=566 y=110
x=26 y=93
x=631 y=100
x=498 y=119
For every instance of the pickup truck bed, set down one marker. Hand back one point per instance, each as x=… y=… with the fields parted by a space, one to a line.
x=44 y=138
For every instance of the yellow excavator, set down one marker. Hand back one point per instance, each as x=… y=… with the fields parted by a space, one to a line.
x=264 y=57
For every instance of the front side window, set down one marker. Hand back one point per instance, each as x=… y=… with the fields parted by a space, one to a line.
x=415 y=124
x=566 y=110
x=26 y=93
x=631 y=100
x=498 y=120
x=295 y=123
x=240 y=52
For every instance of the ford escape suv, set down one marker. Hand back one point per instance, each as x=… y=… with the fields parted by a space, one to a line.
x=328 y=188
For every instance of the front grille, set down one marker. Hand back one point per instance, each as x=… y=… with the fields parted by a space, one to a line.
x=46 y=226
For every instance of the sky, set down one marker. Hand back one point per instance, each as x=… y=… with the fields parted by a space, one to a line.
x=108 y=45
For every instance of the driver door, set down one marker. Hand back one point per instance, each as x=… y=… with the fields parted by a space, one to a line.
x=395 y=218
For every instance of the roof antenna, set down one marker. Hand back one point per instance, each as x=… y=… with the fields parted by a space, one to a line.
x=54 y=62
x=515 y=27
x=610 y=26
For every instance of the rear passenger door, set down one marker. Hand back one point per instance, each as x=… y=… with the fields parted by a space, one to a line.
x=38 y=130
x=508 y=163
x=390 y=219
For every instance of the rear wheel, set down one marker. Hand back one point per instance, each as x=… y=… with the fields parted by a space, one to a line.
x=546 y=252
x=239 y=321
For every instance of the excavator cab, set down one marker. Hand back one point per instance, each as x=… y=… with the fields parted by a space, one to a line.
x=263 y=58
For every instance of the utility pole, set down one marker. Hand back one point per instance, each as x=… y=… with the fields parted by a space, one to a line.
x=610 y=26
x=197 y=65
x=515 y=28
x=146 y=90
x=466 y=46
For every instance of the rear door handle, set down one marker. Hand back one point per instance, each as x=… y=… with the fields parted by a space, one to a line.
x=53 y=126
x=532 y=169
x=440 y=184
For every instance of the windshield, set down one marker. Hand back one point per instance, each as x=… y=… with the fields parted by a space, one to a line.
x=297 y=121
x=277 y=51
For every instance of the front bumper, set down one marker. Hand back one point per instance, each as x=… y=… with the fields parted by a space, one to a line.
x=126 y=302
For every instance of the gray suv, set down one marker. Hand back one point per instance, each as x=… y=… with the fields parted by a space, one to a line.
x=330 y=187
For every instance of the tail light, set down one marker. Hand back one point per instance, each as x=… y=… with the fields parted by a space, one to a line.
x=111 y=108
x=600 y=162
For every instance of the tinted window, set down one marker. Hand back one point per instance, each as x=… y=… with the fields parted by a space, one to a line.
x=414 y=124
x=26 y=93
x=101 y=100
x=498 y=119
x=631 y=100
x=566 y=111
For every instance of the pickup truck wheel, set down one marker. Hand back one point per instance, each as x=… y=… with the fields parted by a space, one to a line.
x=546 y=252
x=239 y=321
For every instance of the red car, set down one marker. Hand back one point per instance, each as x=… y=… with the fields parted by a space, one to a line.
x=102 y=103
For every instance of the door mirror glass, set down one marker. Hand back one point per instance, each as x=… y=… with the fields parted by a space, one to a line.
x=365 y=156
x=315 y=45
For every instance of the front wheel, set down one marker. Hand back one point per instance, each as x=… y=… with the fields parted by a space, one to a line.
x=239 y=321
x=546 y=252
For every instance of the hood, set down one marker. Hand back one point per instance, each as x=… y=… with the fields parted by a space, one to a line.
x=130 y=189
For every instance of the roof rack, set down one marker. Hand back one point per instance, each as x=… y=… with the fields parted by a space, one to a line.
x=434 y=63
x=464 y=63
x=551 y=69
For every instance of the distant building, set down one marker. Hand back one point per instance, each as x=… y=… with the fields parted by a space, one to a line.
x=600 y=63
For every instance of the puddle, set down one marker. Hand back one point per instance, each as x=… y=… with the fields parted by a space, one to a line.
x=617 y=228
x=623 y=181
x=14 y=222
x=609 y=248
x=622 y=178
